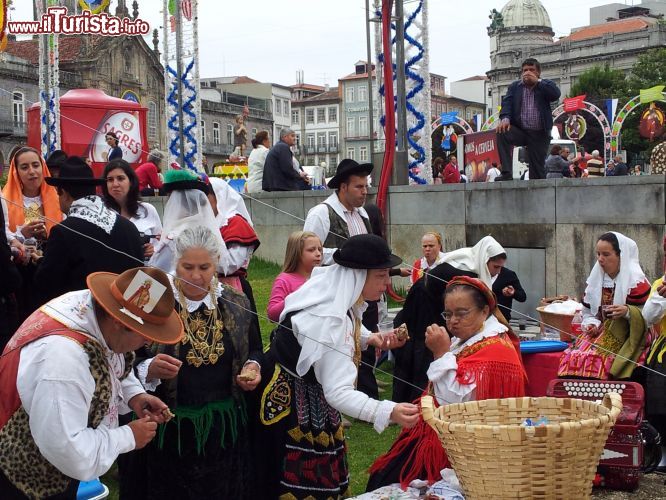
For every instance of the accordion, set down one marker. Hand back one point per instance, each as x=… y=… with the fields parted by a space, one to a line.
x=622 y=458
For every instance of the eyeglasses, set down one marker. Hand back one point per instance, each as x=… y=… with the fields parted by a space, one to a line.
x=461 y=315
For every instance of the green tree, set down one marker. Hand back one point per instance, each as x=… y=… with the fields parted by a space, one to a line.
x=648 y=71
x=600 y=83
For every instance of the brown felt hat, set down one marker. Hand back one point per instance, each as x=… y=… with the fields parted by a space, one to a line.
x=142 y=300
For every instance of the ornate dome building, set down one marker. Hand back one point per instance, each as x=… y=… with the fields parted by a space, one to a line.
x=523 y=29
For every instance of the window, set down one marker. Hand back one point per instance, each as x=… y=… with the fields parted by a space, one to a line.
x=295 y=117
x=128 y=61
x=321 y=115
x=362 y=94
x=216 y=133
x=278 y=107
x=310 y=140
x=298 y=141
x=350 y=153
x=309 y=116
x=18 y=108
x=362 y=125
x=152 y=120
x=333 y=139
x=321 y=140
x=203 y=131
x=254 y=132
x=363 y=153
x=350 y=94
x=230 y=133
x=351 y=126
x=285 y=107
x=333 y=114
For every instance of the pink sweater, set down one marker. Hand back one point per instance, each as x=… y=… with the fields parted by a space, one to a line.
x=284 y=284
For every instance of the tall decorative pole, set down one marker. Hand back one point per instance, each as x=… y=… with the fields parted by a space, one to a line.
x=49 y=85
x=417 y=89
x=183 y=100
x=417 y=73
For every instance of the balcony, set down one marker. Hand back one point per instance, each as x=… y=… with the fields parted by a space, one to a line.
x=333 y=148
x=310 y=150
x=211 y=148
x=321 y=148
x=9 y=127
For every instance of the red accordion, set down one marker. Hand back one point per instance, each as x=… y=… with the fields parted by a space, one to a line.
x=622 y=459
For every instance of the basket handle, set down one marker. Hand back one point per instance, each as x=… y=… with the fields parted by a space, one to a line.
x=613 y=401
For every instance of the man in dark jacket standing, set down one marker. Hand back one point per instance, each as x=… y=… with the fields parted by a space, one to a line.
x=92 y=238
x=526 y=120
x=279 y=171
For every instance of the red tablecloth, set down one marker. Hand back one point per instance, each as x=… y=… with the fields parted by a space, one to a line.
x=541 y=368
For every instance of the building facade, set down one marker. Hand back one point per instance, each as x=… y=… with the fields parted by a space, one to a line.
x=114 y=65
x=524 y=30
x=219 y=110
x=355 y=113
x=316 y=121
x=473 y=90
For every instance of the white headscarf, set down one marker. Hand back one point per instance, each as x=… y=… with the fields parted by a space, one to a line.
x=229 y=202
x=184 y=208
x=475 y=259
x=628 y=277
x=323 y=302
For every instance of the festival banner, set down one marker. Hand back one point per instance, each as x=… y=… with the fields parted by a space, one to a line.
x=480 y=152
x=574 y=103
x=652 y=94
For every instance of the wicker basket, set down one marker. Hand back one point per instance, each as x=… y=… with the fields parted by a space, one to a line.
x=562 y=322
x=494 y=456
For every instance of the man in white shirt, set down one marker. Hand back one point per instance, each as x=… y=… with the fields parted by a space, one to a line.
x=492 y=173
x=335 y=220
x=66 y=375
x=341 y=215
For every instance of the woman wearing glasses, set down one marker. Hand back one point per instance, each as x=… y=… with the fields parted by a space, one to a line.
x=477 y=356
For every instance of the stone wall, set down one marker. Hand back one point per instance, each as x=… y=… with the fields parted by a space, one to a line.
x=563 y=216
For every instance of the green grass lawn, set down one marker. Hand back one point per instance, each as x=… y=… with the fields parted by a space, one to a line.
x=364 y=444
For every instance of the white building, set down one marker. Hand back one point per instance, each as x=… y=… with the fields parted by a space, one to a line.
x=474 y=89
x=316 y=121
x=355 y=114
x=279 y=95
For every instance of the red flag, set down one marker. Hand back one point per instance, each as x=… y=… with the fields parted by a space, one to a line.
x=186 y=9
x=574 y=103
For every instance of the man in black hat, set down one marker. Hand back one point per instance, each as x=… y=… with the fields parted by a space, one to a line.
x=92 y=238
x=335 y=220
x=342 y=214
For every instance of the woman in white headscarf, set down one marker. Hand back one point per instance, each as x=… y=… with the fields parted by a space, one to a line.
x=424 y=305
x=186 y=206
x=235 y=226
x=311 y=369
x=613 y=337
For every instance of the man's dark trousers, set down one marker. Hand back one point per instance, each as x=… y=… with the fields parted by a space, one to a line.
x=537 y=143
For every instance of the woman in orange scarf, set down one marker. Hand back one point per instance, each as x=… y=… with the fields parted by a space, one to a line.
x=32 y=205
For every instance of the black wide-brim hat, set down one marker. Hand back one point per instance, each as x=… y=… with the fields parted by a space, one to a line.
x=366 y=251
x=346 y=168
x=74 y=171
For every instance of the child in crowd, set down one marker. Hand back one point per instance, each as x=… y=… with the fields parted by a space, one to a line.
x=304 y=252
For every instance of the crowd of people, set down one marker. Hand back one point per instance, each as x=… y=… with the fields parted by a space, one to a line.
x=134 y=338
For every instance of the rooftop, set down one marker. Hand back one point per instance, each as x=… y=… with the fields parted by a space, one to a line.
x=627 y=25
x=331 y=95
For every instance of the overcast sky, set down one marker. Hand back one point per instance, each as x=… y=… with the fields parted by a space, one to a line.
x=270 y=40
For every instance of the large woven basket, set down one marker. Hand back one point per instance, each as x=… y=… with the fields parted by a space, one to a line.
x=494 y=456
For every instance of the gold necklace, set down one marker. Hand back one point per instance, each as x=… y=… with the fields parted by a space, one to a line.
x=203 y=331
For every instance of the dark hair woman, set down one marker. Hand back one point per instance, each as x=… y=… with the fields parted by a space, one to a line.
x=115 y=152
x=616 y=290
x=121 y=193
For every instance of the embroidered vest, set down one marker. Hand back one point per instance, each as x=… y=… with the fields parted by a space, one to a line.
x=338 y=233
x=20 y=459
